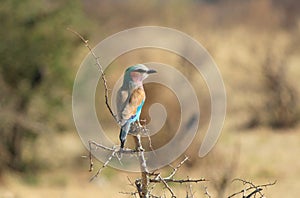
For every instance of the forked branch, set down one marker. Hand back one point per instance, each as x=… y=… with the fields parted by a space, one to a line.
x=255 y=189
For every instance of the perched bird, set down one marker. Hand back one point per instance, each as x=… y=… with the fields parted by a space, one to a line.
x=131 y=97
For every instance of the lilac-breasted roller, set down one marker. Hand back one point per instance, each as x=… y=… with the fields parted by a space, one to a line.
x=131 y=97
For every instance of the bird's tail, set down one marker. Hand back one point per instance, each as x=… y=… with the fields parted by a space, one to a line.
x=123 y=133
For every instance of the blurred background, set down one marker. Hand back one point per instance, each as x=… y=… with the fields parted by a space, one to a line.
x=255 y=43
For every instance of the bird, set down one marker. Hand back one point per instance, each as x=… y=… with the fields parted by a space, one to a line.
x=131 y=97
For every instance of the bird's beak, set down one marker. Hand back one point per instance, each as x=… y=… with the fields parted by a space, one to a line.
x=151 y=71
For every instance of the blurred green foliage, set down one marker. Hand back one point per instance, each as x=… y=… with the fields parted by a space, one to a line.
x=35 y=53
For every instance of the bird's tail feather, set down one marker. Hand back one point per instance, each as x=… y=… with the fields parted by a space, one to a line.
x=123 y=133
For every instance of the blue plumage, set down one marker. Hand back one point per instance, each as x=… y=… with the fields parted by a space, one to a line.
x=131 y=97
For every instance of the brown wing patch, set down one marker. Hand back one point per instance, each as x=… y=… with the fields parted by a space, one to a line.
x=136 y=98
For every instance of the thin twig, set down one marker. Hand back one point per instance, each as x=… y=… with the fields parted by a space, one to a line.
x=100 y=68
x=130 y=182
x=103 y=166
x=139 y=187
x=254 y=192
x=113 y=149
x=129 y=193
x=90 y=158
x=189 y=191
x=177 y=167
x=166 y=185
x=154 y=196
x=252 y=186
x=150 y=143
x=206 y=192
x=179 y=180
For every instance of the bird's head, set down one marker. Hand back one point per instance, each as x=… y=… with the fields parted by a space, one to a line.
x=137 y=73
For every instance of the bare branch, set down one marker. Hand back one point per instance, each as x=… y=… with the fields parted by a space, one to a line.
x=143 y=165
x=257 y=188
x=189 y=191
x=131 y=183
x=206 y=192
x=103 y=166
x=100 y=69
x=139 y=187
x=179 y=180
x=90 y=158
x=150 y=142
x=254 y=192
x=129 y=193
x=177 y=167
x=167 y=186
x=113 y=149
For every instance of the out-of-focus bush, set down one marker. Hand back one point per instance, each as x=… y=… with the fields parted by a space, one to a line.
x=281 y=96
x=35 y=52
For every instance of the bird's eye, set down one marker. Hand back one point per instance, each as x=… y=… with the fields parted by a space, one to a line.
x=141 y=70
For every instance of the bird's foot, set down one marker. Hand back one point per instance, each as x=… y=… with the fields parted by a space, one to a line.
x=139 y=125
x=141 y=128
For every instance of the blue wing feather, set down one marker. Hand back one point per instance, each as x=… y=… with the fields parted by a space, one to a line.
x=126 y=127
